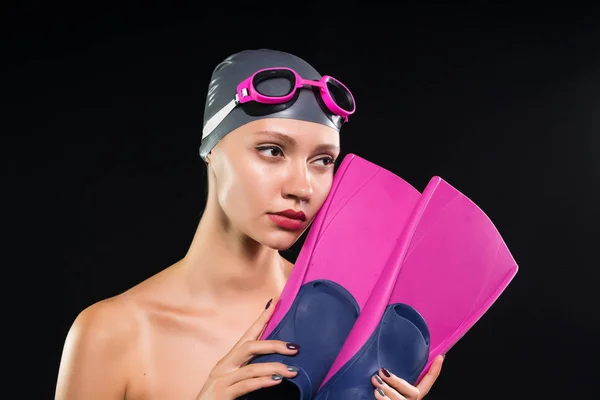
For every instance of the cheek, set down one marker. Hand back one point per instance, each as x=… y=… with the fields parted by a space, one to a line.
x=249 y=191
x=321 y=189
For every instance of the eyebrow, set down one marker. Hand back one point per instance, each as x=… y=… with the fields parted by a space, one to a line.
x=290 y=141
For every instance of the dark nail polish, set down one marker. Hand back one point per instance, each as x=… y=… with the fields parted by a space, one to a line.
x=381 y=392
x=276 y=377
x=378 y=379
x=291 y=368
x=385 y=372
x=293 y=346
x=268 y=304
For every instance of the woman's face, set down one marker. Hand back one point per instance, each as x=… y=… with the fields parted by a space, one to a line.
x=269 y=166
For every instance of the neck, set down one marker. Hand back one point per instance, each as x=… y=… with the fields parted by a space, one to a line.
x=227 y=267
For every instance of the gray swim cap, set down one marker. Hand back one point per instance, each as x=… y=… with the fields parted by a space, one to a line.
x=237 y=67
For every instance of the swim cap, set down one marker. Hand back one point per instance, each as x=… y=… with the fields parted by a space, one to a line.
x=237 y=67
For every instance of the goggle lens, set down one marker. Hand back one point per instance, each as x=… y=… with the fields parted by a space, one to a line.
x=340 y=95
x=274 y=83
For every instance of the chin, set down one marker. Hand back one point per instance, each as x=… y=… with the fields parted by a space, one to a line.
x=280 y=240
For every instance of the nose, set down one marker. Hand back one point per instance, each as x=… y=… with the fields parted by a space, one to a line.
x=298 y=184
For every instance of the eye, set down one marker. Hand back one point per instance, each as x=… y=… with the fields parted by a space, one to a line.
x=327 y=161
x=270 y=151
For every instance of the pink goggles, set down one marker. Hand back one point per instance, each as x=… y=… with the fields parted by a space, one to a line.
x=334 y=94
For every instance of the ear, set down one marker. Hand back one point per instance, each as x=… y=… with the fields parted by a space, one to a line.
x=209 y=164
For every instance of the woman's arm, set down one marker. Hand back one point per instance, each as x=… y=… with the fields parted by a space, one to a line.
x=95 y=354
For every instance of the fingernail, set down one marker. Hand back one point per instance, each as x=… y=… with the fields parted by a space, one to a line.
x=378 y=379
x=268 y=304
x=293 y=346
x=385 y=372
x=381 y=392
x=276 y=377
x=291 y=368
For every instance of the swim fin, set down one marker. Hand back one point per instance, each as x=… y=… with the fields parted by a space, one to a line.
x=455 y=266
x=346 y=248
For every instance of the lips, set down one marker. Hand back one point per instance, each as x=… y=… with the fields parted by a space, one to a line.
x=289 y=219
x=299 y=215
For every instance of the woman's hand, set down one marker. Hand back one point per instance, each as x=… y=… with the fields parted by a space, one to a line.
x=232 y=377
x=389 y=386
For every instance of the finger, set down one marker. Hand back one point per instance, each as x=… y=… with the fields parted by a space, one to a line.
x=380 y=394
x=404 y=388
x=250 y=385
x=429 y=379
x=385 y=389
x=252 y=348
x=260 y=370
x=258 y=326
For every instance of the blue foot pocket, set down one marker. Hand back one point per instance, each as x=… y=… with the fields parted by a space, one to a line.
x=400 y=344
x=319 y=320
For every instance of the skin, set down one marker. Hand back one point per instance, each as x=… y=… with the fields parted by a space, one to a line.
x=189 y=331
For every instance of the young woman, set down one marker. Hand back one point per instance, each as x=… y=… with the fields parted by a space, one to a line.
x=189 y=331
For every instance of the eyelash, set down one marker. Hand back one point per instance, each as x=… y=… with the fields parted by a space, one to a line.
x=263 y=148
x=331 y=160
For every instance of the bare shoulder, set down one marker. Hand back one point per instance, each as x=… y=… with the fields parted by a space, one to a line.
x=97 y=351
x=114 y=325
x=107 y=323
x=117 y=321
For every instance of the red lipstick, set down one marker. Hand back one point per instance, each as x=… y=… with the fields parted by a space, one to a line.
x=289 y=219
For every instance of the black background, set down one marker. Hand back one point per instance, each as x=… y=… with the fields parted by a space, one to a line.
x=101 y=121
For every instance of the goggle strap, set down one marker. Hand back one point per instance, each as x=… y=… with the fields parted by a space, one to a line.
x=216 y=119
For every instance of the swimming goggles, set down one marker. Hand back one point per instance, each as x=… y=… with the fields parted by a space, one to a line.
x=335 y=95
